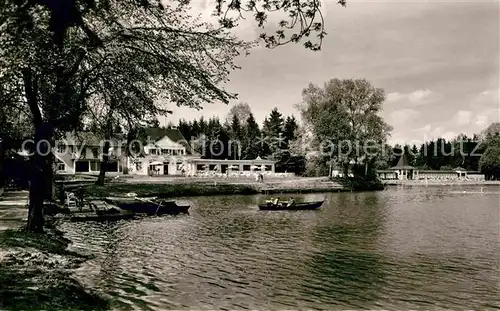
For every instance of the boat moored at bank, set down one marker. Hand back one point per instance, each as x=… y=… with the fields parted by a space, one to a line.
x=149 y=206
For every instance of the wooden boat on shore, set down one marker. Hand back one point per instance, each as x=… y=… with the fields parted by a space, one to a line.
x=101 y=217
x=99 y=211
x=149 y=206
x=287 y=206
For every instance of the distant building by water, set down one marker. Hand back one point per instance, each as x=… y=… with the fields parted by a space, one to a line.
x=404 y=171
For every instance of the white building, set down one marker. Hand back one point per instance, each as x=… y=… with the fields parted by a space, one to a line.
x=81 y=153
x=168 y=153
x=164 y=153
x=196 y=165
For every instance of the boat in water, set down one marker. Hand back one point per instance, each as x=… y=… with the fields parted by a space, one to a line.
x=290 y=206
x=149 y=206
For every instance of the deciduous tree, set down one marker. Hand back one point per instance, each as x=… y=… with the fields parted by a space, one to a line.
x=241 y=110
x=344 y=116
x=64 y=51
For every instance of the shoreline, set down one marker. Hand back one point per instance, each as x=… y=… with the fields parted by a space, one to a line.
x=163 y=189
x=36 y=272
x=421 y=183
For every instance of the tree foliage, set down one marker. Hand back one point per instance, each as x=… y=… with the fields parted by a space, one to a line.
x=273 y=130
x=344 y=118
x=245 y=140
x=241 y=110
x=489 y=162
x=252 y=148
x=131 y=54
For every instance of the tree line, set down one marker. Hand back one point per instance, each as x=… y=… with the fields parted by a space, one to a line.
x=342 y=123
x=440 y=154
x=478 y=152
x=239 y=136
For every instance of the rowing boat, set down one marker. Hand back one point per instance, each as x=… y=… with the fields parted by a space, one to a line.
x=282 y=206
x=149 y=206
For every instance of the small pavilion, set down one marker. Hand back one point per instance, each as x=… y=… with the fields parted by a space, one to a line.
x=461 y=172
x=403 y=170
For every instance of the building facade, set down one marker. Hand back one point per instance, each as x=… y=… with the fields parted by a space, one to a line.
x=198 y=166
x=338 y=171
x=404 y=171
x=164 y=153
x=168 y=153
x=82 y=154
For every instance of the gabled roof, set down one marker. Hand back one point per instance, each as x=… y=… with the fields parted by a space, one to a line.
x=89 y=138
x=403 y=164
x=459 y=169
x=157 y=133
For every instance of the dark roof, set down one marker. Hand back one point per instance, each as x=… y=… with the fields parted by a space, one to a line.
x=385 y=171
x=157 y=133
x=175 y=135
x=89 y=138
x=403 y=164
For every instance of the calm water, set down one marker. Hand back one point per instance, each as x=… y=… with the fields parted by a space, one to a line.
x=401 y=248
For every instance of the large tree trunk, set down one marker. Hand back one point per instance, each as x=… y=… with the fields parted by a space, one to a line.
x=2 y=159
x=104 y=164
x=38 y=181
x=49 y=177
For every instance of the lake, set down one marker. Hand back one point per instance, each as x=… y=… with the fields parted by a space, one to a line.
x=402 y=248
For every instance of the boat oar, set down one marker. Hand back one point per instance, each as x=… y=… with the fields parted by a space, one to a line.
x=159 y=205
x=150 y=201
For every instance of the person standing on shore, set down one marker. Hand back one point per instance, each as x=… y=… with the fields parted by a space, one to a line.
x=79 y=196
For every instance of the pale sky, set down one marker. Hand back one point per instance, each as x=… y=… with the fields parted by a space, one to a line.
x=438 y=62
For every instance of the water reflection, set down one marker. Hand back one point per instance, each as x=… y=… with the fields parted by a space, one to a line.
x=345 y=271
x=400 y=248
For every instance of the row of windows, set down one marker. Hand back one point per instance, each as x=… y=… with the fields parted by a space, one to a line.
x=211 y=167
x=60 y=166
x=95 y=151
x=139 y=165
x=167 y=152
x=95 y=166
x=69 y=149
x=89 y=166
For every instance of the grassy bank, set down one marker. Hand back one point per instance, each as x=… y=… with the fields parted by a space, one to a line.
x=169 y=190
x=305 y=190
x=35 y=273
x=189 y=188
x=359 y=184
x=441 y=183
